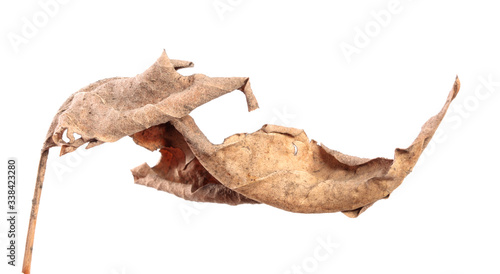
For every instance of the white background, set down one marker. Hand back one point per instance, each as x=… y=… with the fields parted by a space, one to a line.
x=94 y=219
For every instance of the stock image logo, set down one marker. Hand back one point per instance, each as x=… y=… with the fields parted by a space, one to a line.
x=323 y=251
x=32 y=25
x=364 y=35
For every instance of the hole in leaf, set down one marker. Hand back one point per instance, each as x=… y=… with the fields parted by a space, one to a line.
x=64 y=136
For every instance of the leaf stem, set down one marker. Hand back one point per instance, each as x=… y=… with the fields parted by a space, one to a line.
x=28 y=251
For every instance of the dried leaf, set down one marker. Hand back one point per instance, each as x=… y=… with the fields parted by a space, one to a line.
x=112 y=108
x=276 y=165
x=178 y=171
x=281 y=167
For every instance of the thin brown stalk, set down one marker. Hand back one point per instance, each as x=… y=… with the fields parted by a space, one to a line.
x=34 y=211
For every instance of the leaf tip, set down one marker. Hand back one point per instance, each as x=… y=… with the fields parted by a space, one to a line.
x=456 y=87
x=164 y=60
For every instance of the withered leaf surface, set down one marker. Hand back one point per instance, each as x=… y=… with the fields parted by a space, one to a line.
x=281 y=167
x=178 y=171
x=276 y=165
x=112 y=108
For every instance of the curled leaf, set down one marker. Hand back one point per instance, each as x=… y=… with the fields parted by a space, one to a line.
x=178 y=171
x=275 y=165
x=281 y=167
x=112 y=108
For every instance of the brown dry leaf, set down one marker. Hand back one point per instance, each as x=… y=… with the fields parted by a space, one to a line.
x=112 y=108
x=276 y=165
x=281 y=167
x=178 y=171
